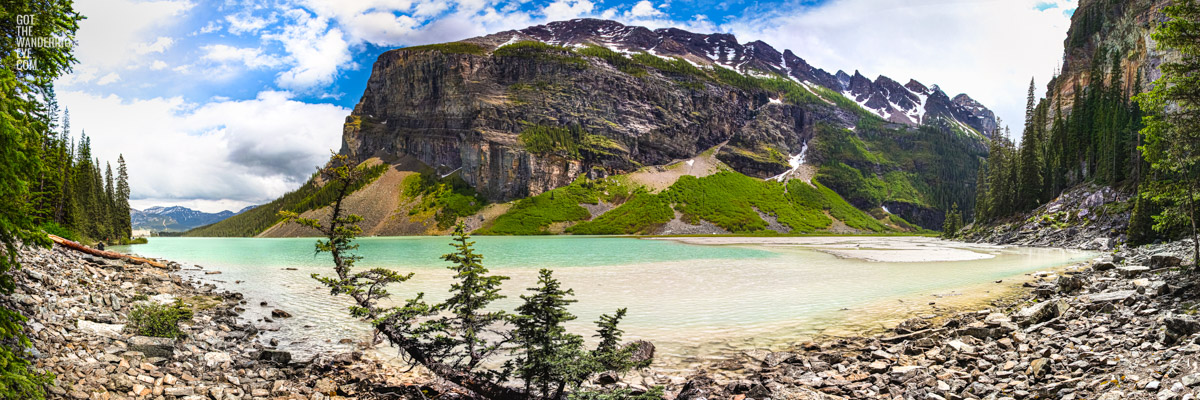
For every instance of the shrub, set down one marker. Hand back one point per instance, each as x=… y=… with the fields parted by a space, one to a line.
x=55 y=229
x=618 y=60
x=450 y=48
x=638 y=215
x=448 y=198
x=159 y=320
x=541 y=51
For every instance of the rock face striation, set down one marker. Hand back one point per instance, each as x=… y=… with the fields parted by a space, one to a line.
x=639 y=96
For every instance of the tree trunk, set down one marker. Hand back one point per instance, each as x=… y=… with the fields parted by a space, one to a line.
x=1191 y=195
x=467 y=380
x=101 y=253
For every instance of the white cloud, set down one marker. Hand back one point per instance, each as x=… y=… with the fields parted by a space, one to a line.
x=567 y=9
x=251 y=57
x=645 y=9
x=315 y=51
x=116 y=30
x=208 y=206
x=988 y=50
x=158 y=65
x=157 y=46
x=245 y=151
x=107 y=79
x=245 y=23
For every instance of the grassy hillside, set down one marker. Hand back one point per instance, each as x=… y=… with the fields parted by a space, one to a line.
x=874 y=163
x=728 y=199
x=252 y=222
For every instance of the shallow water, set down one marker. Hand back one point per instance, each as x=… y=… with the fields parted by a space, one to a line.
x=692 y=301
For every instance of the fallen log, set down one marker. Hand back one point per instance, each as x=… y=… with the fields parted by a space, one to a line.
x=102 y=253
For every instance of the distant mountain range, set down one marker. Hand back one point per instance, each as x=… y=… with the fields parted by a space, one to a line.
x=177 y=218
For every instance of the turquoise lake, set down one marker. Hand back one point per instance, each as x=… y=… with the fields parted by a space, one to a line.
x=693 y=301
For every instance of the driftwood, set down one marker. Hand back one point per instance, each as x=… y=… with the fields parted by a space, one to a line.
x=102 y=253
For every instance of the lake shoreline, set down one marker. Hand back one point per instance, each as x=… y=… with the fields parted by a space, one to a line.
x=77 y=307
x=809 y=369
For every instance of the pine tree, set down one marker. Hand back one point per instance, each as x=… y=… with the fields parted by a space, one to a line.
x=550 y=357
x=472 y=292
x=1172 y=122
x=124 y=225
x=112 y=216
x=1029 y=188
x=952 y=223
x=24 y=125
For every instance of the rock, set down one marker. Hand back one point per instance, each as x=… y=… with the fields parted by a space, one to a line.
x=607 y=378
x=153 y=346
x=216 y=358
x=1190 y=380
x=1037 y=368
x=901 y=370
x=1179 y=327
x=1042 y=312
x=878 y=366
x=1069 y=284
x=275 y=356
x=1165 y=261
x=179 y=391
x=1131 y=271
x=913 y=325
x=277 y=313
x=1116 y=296
x=699 y=387
x=100 y=329
x=960 y=346
x=1103 y=266
x=642 y=352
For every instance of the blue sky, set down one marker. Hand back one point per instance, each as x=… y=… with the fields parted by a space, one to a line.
x=221 y=104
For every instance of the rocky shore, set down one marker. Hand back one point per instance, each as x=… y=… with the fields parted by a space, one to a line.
x=1121 y=327
x=1088 y=217
x=1116 y=327
x=78 y=307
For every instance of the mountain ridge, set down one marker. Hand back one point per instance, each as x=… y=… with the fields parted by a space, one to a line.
x=177 y=218
x=515 y=115
x=885 y=97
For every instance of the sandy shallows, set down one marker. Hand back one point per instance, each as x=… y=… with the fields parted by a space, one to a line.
x=869 y=248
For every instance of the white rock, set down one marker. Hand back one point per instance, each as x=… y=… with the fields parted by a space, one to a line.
x=99 y=329
x=216 y=358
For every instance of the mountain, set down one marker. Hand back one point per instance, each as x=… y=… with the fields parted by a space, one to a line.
x=500 y=119
x=176 y=218
x=1095 y=188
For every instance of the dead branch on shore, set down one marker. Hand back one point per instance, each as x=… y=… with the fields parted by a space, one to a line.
x=102 y=253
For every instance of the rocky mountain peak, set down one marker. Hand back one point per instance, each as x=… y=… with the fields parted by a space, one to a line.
x=884 y=96
x=904 y=104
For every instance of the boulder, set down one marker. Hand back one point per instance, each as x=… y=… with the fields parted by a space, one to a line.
x=642 y=352
x=1165 y=261
x=1179 y=327
x=1114 y=296
x=277 y=313
x=153 y=346
x=1103 y=266
x=699 y=387
x=1042 y=312
x=1131 y=271
x=100 y=329
x=275 y=356
x=1069 y=284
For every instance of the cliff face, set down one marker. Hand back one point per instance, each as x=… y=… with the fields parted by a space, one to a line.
x=463 y=106
x=1104 y=30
